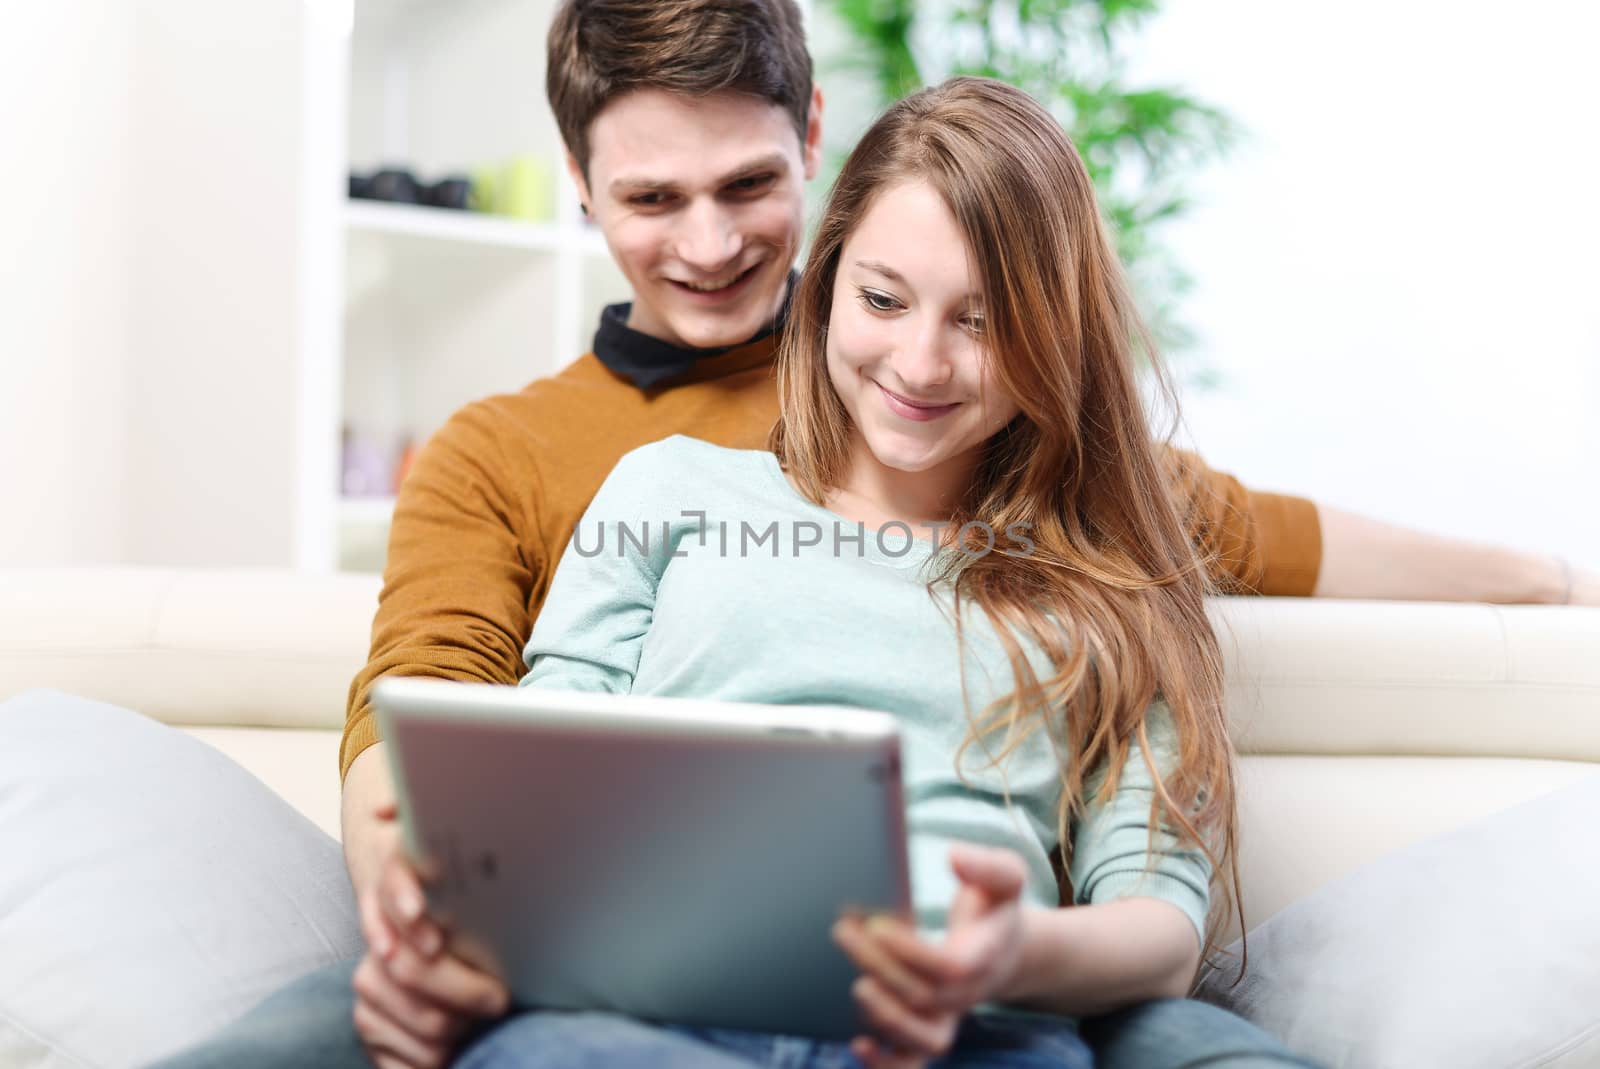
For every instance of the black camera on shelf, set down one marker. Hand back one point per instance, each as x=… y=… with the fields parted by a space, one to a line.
x=398 y=185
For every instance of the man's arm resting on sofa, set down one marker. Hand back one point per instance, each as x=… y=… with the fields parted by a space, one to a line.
x=1270 y=543
x=1365 y=558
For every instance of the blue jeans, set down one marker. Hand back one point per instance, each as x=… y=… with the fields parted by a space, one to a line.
x=309 y=1023
x=1180 y=1033
x=548 y=1040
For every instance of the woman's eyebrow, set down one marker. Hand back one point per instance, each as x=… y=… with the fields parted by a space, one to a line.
x=973 y=300
x=879 y=268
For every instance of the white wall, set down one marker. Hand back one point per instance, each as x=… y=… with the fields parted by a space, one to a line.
x=1397 y=275
x=170 y=177
x=228 y=188
x=63 y=347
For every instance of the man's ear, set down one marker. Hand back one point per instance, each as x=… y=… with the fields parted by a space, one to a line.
x=812 y=154
x=576 y=171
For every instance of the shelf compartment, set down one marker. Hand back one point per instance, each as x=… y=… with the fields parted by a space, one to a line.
x=366 y=511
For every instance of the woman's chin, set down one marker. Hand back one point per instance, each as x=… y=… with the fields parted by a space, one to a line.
x=899 y=457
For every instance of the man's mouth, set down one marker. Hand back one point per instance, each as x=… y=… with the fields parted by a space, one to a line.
x=717 y=285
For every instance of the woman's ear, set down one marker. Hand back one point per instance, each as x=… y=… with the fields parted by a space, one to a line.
x=811 y=153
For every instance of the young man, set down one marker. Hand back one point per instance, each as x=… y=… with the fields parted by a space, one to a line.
x=692 y=126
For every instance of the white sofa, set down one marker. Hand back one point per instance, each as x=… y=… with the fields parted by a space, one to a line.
x=1363 y=727
x=1367 y=725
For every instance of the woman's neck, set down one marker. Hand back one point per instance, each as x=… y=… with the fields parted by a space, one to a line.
x=877 y=494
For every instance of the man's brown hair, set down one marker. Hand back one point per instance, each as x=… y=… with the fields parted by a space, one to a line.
x=600 y=49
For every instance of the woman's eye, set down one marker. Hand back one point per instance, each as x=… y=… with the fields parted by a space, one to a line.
x=879 y=302
x=974 y=324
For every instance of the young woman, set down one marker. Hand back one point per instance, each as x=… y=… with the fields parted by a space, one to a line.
x=961 y=522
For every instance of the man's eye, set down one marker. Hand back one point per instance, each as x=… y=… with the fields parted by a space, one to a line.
x=648 y=200
x=751 y=183
x=879 y=302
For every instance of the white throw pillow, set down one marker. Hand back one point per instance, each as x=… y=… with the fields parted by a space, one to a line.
x=151 y=890
x=1477 y=949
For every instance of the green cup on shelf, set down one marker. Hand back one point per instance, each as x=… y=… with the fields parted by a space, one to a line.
x=526 y=189
x=485 y=184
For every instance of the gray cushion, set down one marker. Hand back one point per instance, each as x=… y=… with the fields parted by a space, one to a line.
x=152 y=889
x=1477 y=948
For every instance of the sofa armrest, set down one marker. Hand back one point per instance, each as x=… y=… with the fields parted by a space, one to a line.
x=1329 y=677
x=241 y=648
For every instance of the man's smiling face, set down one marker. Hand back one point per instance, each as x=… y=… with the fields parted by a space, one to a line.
x=702 y=201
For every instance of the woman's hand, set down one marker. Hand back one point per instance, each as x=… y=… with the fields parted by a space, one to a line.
x=914 y=993
x=414 y=999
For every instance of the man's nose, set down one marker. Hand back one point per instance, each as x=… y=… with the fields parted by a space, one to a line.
x=708 y=240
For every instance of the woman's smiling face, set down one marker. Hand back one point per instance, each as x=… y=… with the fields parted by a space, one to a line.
x=905 y=344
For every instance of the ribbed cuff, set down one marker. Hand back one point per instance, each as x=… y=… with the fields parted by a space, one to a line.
x=1290 y=543
x=360 y=731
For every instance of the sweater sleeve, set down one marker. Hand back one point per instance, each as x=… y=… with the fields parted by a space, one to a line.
x=1114 y=854
x=458 y=579
x=591 y=631
x=1252 y=542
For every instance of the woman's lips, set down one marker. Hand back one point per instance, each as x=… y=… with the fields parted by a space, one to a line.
x=908 y=409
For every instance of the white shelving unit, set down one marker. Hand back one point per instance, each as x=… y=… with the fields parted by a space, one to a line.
x=410 y=221
x=441 y=307
x=469 y=228
x=269 y=314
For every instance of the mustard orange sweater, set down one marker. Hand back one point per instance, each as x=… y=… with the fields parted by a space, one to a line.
x=491 y=503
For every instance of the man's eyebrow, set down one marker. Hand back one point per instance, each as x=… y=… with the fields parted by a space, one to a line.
x=881 y=269
x=775 y=161
x=642 y=185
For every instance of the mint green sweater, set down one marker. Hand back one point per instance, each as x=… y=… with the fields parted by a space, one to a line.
x=699 y=571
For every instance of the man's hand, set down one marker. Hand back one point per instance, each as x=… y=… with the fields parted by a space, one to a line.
x=415 y=1000
x=914 y=993
x=1583 y=586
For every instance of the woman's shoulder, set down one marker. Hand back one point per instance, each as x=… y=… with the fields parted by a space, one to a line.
x=679 y=454
x=678 y=462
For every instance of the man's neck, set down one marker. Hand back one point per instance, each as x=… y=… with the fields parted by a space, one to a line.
x=646 y=321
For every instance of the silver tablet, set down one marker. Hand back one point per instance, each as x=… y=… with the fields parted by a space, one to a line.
x=670 y=859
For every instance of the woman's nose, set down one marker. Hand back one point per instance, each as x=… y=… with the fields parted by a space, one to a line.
x=923 y=362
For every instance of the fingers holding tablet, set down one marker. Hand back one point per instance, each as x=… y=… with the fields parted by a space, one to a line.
x=415 y=1000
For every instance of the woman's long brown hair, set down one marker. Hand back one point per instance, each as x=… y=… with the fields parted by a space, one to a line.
x=1112 y=590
